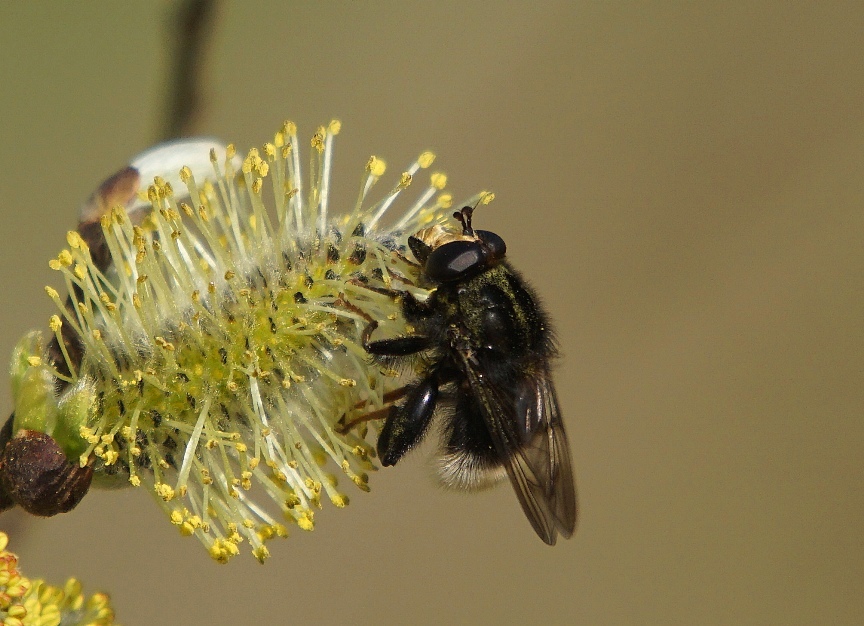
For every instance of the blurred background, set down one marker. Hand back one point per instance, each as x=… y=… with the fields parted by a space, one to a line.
x=682 y=183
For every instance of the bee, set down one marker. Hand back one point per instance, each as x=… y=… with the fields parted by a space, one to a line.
x=484 y=346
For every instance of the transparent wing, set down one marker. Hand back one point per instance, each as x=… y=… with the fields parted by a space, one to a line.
x=525 y=425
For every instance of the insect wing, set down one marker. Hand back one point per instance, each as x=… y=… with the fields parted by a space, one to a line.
x=526 y=428
x=547 y=450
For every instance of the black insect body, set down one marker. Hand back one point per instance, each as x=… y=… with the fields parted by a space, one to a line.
x=486 y=347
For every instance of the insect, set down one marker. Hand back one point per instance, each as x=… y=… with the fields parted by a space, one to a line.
x=484 y=346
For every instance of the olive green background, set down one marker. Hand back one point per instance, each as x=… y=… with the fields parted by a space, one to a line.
x=683 y=184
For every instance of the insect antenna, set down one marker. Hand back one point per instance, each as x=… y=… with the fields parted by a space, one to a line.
x=464 y=217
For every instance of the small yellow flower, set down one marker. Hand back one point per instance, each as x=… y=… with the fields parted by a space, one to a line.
x=24 y=601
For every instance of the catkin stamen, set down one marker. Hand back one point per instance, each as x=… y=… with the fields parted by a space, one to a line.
x=222 y=340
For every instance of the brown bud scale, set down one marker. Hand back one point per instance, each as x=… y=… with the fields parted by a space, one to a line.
x=36 y=474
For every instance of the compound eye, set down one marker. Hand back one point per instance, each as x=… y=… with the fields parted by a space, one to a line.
x=494 y=244
x=455 y=260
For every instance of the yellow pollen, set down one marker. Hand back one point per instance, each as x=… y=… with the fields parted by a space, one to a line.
x=426 y=159
x=439 y=180
x=75 y=241
x=318 y=141
x=261 y=553
x=376 y=166
x=340 y=500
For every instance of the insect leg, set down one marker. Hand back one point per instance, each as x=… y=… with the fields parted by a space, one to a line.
x=407 y=423
x=399 y=346
x=344 y=425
